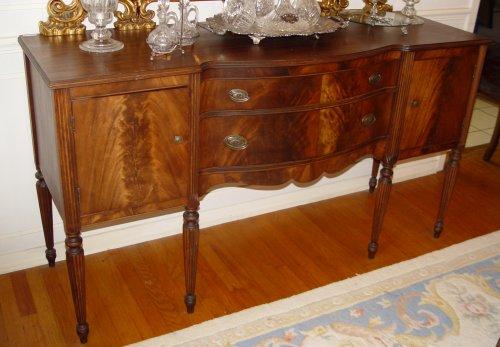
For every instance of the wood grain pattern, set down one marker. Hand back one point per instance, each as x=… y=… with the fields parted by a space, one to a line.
x=127 y=159
x=299 y=90
x=437 y=104
x=292 y=137
x=245 y=263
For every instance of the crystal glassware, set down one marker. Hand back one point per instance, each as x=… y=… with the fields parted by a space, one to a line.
x=308 y=10
x=187 y=27
x=100 y=13
x=239 y=15
x=164 y=38
x=411 y=13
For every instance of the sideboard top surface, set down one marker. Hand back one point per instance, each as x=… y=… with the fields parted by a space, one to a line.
x=62 y=64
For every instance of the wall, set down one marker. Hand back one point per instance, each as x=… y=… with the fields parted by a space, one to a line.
x=21 y=240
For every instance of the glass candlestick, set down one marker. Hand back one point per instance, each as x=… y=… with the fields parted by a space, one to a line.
x=411 y=13
x=100 y=13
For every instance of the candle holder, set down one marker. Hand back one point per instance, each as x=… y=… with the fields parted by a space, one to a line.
x=100 y=13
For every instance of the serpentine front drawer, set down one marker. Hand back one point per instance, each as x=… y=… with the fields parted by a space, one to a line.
x=315 y=87
x=245 y=140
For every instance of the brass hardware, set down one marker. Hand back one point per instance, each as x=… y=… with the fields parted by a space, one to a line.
x=331 y=8
x=415 y=103
x=375 y=79
x=382 y=7
x=368 y=120
x=135 y=16
x=63 y=19
x=236 y=142
x=239 y=95
x=178 y=139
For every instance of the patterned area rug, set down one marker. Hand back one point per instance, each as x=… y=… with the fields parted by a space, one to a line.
x=449 y=297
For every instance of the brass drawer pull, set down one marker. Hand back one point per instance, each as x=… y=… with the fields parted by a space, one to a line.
x=239 y=95
x=375 y=79
x=236 y=142
x=369 y=120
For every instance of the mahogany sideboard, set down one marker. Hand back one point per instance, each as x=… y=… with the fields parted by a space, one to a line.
x=118 y=135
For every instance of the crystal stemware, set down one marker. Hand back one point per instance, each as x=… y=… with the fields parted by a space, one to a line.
x=187 y=27
x=100 y=13
x=164 y=38
x=410 y=12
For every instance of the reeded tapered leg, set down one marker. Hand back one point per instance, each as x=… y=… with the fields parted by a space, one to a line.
x=382 y=200
x=450 y=179
x=373 y=179
x=191 y=235
x=494 y=140
x=76 y=270
x=45 y=206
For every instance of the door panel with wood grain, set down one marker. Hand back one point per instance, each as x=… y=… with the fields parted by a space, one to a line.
x=132 y=153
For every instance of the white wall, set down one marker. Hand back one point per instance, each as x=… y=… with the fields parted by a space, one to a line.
x=21 y=237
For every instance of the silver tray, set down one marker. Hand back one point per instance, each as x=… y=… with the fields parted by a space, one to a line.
x=217 y=25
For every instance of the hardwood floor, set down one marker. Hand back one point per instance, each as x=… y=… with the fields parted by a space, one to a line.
x=137 y=292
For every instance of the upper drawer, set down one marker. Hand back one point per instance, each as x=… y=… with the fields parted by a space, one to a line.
x=229 y=141
x=288 y=91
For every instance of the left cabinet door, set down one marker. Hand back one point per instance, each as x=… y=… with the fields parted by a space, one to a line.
x=132 y=153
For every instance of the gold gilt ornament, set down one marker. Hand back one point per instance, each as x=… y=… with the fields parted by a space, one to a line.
x=63 y=19
x=331 y=8
x=135 y=16
x=382 y=7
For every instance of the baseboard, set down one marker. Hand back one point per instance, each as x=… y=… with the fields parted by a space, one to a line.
x=150 y=229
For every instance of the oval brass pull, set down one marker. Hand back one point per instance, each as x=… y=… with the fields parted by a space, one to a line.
x=236 y=142
x=415 y=103
x=239 y=95
x=375 y=79
x=178 y=139
x=369 y=120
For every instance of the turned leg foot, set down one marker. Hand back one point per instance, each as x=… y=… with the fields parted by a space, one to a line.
x=450 y=179
x=191 y=231
x=382 y=201
x=83 y=331
x=373 y=179
x=190 y=301
x=45 y=206
x=76 y=271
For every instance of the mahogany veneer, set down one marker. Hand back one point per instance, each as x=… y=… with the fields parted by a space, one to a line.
x=118 y=136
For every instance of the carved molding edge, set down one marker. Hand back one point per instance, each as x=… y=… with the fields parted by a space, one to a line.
x=331 y=8
x=63 y=19
x=135 y=16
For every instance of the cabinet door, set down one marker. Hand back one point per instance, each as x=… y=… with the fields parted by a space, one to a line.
x=128 y=153
x=437 y=103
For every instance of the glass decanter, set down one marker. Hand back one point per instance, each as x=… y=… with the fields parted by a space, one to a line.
x=239 y=15
x=187 y=26
x=164 y=38
x=100 y=13
x=308 y=10
x=410 y=12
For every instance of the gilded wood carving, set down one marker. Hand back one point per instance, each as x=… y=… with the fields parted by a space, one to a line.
x=63 y=19
x=333 y=7
x=67 y=19
x=382 y=7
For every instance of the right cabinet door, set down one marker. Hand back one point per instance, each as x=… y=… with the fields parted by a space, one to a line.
x=437 y=103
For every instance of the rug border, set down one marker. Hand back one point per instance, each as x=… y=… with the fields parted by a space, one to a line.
x=231 y=321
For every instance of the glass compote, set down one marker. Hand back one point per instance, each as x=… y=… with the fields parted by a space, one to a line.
x=164 y=38
x=100 y=13
x=410 y=12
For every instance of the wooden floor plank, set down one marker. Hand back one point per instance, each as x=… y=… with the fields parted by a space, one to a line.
x=136 y=292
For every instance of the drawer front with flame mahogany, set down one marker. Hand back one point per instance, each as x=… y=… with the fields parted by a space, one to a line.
x=288 y=90
x=278 y=138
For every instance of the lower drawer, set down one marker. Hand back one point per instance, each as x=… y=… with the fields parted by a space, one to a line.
x=248 y=140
